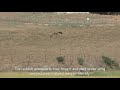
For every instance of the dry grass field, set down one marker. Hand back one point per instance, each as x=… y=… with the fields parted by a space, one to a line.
x=25 y=39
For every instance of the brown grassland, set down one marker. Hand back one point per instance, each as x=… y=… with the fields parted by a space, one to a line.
x=25 y=39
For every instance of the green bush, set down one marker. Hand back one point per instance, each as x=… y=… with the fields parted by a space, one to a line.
x=110 y=63
x=61 y=59
x=80 y=61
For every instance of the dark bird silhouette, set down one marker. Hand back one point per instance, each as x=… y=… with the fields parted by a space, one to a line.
x=55 y=34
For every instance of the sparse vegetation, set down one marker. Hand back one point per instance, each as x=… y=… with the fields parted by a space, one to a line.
x=80 y=61
x=26 y=34
x=61 y=59
x=110 y=63
x=107 y=13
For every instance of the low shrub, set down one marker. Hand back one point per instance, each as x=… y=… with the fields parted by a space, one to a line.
x=61 y=59
x=110 y=63
x=80 y=61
